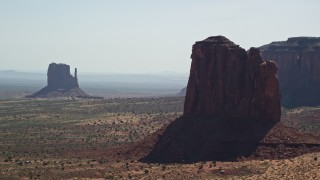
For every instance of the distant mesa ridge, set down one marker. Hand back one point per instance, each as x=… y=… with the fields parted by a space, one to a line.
x=182 y=92
x=298 y=59
x=294 y=44
x=60 y=83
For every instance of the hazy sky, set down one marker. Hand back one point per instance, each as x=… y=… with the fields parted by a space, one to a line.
x=140 y=36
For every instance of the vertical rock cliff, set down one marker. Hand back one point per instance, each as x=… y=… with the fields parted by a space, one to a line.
x=299 y=69
x=225 y=80
x=59 y=77
x=231 y=103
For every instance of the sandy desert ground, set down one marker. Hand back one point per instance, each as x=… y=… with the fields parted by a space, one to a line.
x=72 y=139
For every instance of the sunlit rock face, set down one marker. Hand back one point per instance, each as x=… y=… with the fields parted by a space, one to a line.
x=299 y=69
x=225 y=80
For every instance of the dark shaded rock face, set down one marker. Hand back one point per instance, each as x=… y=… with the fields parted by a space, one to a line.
x=59 y=77
x=60 y=83
x=225 y=80
x=299 y=69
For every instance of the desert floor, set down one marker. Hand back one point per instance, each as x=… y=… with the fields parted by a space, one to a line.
x=72 y=139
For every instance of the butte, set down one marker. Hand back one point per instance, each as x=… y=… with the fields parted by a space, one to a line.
x=232 y=111
x=60 y=83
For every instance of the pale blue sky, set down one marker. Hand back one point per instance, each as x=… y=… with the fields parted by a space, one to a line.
x=140 y=36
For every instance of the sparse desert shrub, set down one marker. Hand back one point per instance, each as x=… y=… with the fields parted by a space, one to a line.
x=109 y=176
x=163 y=168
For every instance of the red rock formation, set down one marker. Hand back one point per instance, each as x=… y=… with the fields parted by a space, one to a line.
x=225 y=80
x=60 y=83
x=59 y=77
x=232 y=109
x=299 y=69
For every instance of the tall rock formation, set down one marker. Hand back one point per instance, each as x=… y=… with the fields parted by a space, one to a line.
x=225 y=80
x=232 y=110
x=299 y=69
x=59 y=77
x=60 y=83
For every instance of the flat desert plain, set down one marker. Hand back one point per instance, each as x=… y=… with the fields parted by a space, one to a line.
x=70 y=138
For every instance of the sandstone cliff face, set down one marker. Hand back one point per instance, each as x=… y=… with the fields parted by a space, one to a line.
x=225 y=80
x=59 y=77
x=60 y=83
x=299 y=69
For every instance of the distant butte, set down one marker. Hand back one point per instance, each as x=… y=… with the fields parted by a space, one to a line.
x=60 y=83
x=298 y=59
x=231 y=111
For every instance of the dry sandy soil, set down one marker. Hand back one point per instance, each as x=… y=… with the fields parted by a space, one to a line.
x=89 y=139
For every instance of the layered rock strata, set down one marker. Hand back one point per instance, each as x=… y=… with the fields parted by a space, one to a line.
x=225 y=80
x=299 y=69
x=232 y=110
